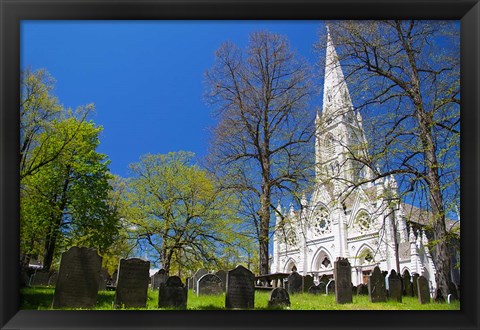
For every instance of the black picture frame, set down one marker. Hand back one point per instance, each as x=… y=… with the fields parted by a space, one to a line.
x=13 y=11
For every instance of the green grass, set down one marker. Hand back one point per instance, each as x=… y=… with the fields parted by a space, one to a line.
x=41 y=298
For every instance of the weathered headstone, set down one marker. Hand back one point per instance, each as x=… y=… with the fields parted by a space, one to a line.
x=279 y=298
x=172 y=294
x=190 y=281
x=40 y=278
x=199 y=273
x=209 y=284
x=354 y=290
x=394 y=286
x=240 y=293
x=132 y=284
x=159 y=277
x=322 y=287
x=102 y=280
x=295 y=283
x=376 y=286
x=52 y=280
x=415 y=284
x=343 y=281
x=307 y=282
x=315 y=289
x=407 y=284
x=77 y=282
x=330 y=288
x=423 y=290
x=362 y=289
x=223 y=276
x=324 y=279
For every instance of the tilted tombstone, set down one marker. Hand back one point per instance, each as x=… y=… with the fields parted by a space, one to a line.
x=173 y=294
x=394 y=286
x=330 y=288
x=407 y=284
x=307 y=282
x=322 y=287
x=362 y=289
x=415 y=284
x=223 y=276
x=295 y=283
x=40 y=278
x=423 y=290
x=279 y=297
x=343 y=281
x=209 y=284
x=132 y=284
x=199 y=273
x=52 y=280
x=159 y=277
x=376 y=286
x=240 y=293
x=190 y=281
x=77 y=282
x=315 y=289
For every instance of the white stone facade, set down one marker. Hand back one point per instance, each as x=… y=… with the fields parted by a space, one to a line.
x=331 y=224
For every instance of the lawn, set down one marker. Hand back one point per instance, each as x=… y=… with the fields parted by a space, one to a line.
x=41 y=298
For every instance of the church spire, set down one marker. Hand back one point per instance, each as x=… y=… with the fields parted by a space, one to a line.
x=336 y=98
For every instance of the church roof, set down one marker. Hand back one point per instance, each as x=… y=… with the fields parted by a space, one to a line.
x=424 y=217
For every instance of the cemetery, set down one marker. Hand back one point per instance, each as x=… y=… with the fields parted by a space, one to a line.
x=81 y=284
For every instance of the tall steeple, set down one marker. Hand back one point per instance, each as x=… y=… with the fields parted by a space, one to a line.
x=339 y=128
x=336 y=98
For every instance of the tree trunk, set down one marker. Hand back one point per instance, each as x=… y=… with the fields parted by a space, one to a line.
x=264 y=225
x=443 y=264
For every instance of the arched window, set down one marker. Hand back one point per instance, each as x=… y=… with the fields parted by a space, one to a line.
x=291 y=239
x=365 y=257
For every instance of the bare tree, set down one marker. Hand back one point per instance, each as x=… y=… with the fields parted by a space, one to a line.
x=405 y=75
x=260 y=97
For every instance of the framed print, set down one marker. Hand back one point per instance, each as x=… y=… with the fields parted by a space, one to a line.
x=239 y=164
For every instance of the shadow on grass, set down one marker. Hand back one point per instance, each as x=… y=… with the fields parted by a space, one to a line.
x=36 y=298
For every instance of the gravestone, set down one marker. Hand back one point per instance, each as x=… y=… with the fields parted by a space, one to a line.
x=190 y=281
x=415 y=284
x=279 y=298
x=423 y=290
x=307 y=282
x=240 y=293
x=199 y=273
x=172 y=294
x=330 y=288
x=132 y=284
x=354 y=290
x=394 y=286
x=223 y=276
x=315 y=289
x=77 y=282
x=40 y=278
x=407 y=284
x=376 y=286
x=159 y=277
x=343 y=281
x=322 y=287
x=362 y=289
x=324 y=279
x=209 y=284
x=52 y=280
x=295 y=283
x=102 y=280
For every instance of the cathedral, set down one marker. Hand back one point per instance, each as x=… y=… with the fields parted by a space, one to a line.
x=367 y=224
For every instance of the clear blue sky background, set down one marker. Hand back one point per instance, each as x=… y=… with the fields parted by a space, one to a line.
x=144 y=77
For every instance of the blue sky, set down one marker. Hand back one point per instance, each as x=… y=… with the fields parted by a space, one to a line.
x=144 y=77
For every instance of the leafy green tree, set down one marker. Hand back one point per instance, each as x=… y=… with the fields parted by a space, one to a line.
x=177 y=210
x=65 y=202
x=39 y=110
